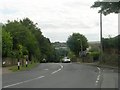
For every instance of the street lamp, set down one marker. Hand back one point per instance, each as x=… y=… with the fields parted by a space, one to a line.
x=80 y=44
x=81 y=48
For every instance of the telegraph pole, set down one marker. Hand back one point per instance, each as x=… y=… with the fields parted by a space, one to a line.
x=101 y=47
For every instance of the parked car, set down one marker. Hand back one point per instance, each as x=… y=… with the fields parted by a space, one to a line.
x=66 y=60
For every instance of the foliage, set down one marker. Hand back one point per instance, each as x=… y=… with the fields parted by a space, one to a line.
x=111 y=43
x=95 y=55
x=111 y=50
x=72 y=56
x=110 y=59
x=0 y=39
x=61 y=53
x=107 y=7
x=25 y=38
x=76 y=42
x=7 y=43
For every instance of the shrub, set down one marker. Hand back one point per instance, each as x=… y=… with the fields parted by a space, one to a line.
x=95 y=55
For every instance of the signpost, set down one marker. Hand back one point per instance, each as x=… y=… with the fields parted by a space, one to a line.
x=18 y=64
x=26 y=60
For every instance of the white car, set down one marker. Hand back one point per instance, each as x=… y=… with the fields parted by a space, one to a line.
x=66 y=60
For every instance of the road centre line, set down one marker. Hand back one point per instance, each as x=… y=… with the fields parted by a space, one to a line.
x=23 y=82
x=45 y=69
x=58 y=69
x=98 y=68
x=98 y=77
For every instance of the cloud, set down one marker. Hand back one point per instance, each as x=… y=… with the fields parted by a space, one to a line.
x=60 y=18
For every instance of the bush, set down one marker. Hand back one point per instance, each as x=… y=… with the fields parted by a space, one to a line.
x=109 y=59
x=95 y=55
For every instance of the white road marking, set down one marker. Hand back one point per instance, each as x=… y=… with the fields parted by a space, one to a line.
x=33 y=78
x=45 y=69
x=96 y=81
x=58 y=69
x=98 y=77
x=23 y=82
x=61 y=66
x=98 y=68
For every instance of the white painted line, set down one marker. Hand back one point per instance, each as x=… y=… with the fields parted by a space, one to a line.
x=61 y=66
x=98 y=77
x=45 y=69
x=98 y=68
x=96 y=81
x=58 y=69
x=23 y=82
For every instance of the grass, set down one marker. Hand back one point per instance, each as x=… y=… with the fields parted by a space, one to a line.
x=23 y=68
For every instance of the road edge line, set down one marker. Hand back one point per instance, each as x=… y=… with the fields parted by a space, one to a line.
x=23 y=82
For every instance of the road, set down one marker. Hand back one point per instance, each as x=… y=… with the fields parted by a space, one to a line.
x=62 y=75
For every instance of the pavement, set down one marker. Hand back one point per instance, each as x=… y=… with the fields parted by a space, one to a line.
x=62 y=75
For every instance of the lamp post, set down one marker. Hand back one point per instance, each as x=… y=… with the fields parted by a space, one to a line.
x=80 y=45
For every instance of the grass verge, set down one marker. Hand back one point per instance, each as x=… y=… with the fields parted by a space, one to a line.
x=22 y=68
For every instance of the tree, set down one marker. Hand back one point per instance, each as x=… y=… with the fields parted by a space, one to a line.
x=0 y=39
x=21 y=35
x=111 y=43
x=7 y=43
x=27 y=35
x=107 y=7
x=76 y=42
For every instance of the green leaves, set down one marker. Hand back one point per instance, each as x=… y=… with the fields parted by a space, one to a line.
x=107 y=7
x=111 y=43
x=77 y=42
x=7 y=43
x=25 y=38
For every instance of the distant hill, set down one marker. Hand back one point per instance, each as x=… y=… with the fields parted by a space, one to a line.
x=59 y=45
x=63 y=45
x=94 y=42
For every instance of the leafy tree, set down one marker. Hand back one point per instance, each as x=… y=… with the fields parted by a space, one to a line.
x=111 y=43
x=76 y=42
x=21 y=35
x=27 y=35
x=7 y=43
x=107 y=7
x=0 y=39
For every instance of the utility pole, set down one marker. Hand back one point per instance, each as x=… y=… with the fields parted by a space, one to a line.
x=101 y=47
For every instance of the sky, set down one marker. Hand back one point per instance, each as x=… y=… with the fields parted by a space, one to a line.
x=58 y=19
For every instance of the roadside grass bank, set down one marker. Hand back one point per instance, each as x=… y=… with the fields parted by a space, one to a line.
x=23 y=68
x=109 y=60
